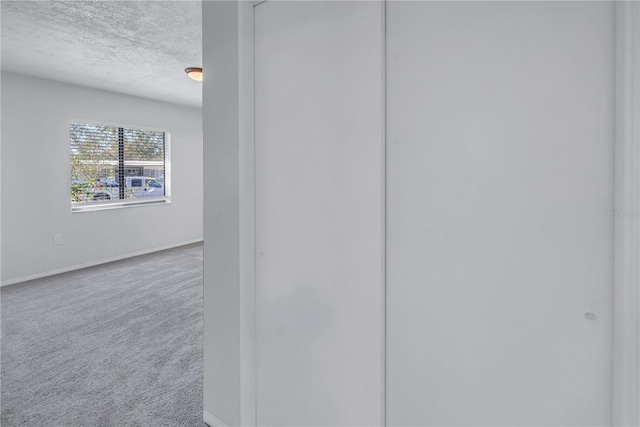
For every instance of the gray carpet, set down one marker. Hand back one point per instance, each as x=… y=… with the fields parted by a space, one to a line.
x=114 y=345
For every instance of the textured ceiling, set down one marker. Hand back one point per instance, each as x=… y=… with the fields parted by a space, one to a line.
x=136 y=47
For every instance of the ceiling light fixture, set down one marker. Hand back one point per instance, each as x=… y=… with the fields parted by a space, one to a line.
x=194 y=72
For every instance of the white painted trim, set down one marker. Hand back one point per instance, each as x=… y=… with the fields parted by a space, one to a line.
x=626 y=329
x=94 y=263
x=211 y=420
x=246 y=201
x=383 y=166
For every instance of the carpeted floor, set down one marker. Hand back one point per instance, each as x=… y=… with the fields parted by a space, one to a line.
x=114 y=345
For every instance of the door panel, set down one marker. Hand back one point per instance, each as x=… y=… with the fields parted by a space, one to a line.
x=499 y=175
x=318 y=151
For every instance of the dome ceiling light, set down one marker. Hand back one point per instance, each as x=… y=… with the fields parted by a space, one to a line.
x=194 y=72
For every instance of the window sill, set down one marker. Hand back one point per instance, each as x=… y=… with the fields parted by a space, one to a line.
x=102 y=206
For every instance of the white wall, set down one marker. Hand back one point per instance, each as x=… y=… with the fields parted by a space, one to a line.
x=221 y=211
x=35 y=179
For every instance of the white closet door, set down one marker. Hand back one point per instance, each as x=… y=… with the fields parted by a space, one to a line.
x=319 y=232
x=500 y=152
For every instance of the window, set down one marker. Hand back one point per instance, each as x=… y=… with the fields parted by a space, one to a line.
x=116 y=166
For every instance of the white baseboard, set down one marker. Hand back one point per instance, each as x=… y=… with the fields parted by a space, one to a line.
x=94 y=263
x=211 y=420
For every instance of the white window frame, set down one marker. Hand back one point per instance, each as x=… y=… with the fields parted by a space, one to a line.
x=119 y=204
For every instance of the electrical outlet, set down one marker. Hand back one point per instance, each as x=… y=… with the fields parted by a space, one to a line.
x=57 y=239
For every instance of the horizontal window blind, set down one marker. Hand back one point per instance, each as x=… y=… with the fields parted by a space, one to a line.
x=111 y=163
